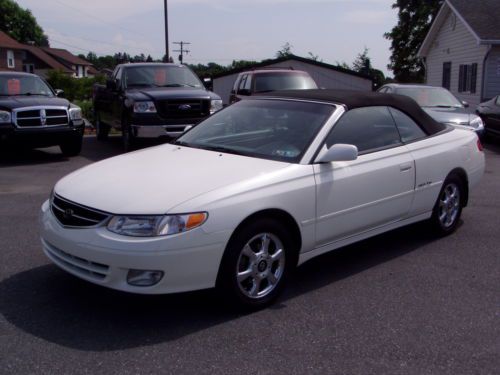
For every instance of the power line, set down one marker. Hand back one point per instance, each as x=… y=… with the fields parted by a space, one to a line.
x=100 y=19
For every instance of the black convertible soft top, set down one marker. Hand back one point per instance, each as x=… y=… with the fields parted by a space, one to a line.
x=356 y=99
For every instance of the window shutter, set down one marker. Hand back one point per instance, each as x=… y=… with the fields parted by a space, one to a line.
x=473 y=78
x=460 y=79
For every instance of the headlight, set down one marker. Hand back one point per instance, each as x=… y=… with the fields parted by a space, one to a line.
x=215 y=105
x=477 y=123
x=5 y=117
x=144 y=107
x=152 y=226
x=75 y=114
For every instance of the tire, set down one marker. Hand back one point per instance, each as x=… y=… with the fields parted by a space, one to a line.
x=72 y=146
x=101 y=129
x=448 y=208
x=128 y=139
x=253 y=272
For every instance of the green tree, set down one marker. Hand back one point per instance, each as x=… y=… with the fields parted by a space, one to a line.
x=285 y=51
x=363 y=64
x=415 y=19
x=20 y=24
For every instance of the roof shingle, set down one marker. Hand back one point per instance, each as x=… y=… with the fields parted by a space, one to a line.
x=483 y=16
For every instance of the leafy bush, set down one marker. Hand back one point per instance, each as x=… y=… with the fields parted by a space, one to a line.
x=74 y=88
x=87 y=110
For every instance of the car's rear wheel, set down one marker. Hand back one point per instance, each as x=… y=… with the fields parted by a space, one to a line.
x=128 y=139
x=101 y=129
x=72 y=146
x=448 y=208
x=257 y=263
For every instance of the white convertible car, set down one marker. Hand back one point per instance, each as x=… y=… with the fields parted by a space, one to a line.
x=258 y=188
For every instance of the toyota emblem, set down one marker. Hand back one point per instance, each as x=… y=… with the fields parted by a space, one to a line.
x=68 y=213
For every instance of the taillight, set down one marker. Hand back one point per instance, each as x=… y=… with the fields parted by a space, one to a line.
x=479 y=145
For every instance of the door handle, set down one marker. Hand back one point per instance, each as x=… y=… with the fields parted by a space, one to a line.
x=405 y=167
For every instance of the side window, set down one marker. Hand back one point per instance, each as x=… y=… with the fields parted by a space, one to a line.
x=243 y=84
x=368 y=128
x=118 y=77
x=248 y=84
x=408 y=129
x=236 y=83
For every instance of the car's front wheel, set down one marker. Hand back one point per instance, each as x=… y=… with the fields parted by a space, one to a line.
x=72 y=146
x=448 y=208
x=257 y=263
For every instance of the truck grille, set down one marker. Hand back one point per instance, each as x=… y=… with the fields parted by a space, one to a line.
x=184 y=108
x=74 y=215
x=40 y=116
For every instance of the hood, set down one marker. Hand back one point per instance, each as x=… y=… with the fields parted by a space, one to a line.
x=165 y=93
x=453 y=116
x=154 y=180
x=13 y=102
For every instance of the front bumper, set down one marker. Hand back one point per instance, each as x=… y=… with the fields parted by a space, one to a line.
x=189 y=261
x=40 y=137
x=156 y=131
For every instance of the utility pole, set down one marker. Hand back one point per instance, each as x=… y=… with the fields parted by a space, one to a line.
x=182 y=50
x=167 y=57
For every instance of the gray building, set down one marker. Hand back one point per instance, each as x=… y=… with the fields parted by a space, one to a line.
x=326 y=75
x=462 y=49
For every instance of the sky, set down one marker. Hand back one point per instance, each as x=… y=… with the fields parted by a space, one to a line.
x=221 y=31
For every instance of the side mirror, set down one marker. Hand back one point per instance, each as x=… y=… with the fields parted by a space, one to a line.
x=59 y=93
x=465 y=104
x=111 y=84
x=338 y=152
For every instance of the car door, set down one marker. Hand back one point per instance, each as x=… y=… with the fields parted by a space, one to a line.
x=375 y=189
x=118 y=99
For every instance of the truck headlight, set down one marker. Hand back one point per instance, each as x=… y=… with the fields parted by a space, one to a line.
x=477 y=123
x=156 y=225
x=144 y=107
x=5 y=117
x=75 y=114
x=215 y=105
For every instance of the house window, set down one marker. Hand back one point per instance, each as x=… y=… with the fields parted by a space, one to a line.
x=467 y=78
x=29 y=68
x=446 y=75
x=11 y=62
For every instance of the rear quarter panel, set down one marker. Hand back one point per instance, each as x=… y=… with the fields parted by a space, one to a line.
x=435 y=157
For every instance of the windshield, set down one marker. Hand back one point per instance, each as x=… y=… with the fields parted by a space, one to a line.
x=430 y=96
x=12 y=85
x=265 y=82
x=160 y=76
x=270 y=129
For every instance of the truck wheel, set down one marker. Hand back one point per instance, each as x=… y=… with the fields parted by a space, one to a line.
x=102 y=130
x=128 y=139
x=72 y=146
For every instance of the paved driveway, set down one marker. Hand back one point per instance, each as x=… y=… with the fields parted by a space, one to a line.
x=402 y=302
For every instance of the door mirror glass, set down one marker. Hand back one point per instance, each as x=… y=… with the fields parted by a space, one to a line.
x=465 y=104
x=338 y=152
x=59 y=93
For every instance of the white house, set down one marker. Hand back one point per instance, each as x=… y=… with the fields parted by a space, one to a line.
x=326 y=75
x=462 y=49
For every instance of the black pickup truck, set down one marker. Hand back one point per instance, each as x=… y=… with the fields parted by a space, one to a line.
x=151 y=100
x=32 y=114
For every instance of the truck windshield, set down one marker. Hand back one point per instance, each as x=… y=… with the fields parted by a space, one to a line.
x=11 y=85
x=160 y=76
x=265 y=82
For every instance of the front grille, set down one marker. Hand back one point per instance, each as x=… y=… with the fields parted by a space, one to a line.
x=74 y=215
x=41 y=117
x=82 y=266
x=184 y=108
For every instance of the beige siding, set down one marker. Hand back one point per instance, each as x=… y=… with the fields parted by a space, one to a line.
x=458 y=46
x=492 y=74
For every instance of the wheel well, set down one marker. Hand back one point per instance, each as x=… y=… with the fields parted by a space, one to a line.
x=460 y=173
x=279 y=215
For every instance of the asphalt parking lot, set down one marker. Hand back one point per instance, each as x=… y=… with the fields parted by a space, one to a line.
x=403 y=302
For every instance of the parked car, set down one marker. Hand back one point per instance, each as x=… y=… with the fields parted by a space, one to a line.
x=489 y=111
x=238 y=206
x=265 y=80
x=151 y=100
x=32 y=114
x=440 y=104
